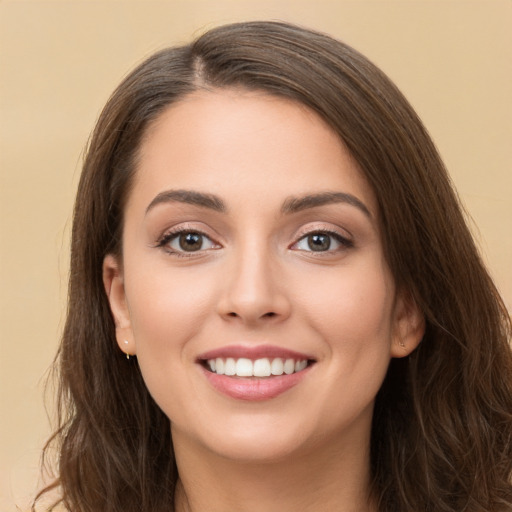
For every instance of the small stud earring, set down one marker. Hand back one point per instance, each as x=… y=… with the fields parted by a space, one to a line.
x=127 y=355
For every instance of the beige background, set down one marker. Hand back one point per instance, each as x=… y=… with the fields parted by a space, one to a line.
x=60 y=60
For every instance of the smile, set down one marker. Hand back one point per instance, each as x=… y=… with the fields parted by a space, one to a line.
x=254 y=373
x=264 y=367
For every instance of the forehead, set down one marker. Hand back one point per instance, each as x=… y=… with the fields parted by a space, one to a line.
x=239 y=143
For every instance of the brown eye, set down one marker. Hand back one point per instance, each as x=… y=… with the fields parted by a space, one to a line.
x=190 y=241
x=187 y=242
x=322 y=241
x=319 y=242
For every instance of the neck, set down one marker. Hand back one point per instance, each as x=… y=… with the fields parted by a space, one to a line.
x=334 y=478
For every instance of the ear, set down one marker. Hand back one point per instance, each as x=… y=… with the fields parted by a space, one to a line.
x=114 y=287
x=409 y=326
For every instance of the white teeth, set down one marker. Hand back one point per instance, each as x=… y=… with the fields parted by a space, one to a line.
x=244 y=367
x=263 y=367
x=289 y=366
x=219 y=366
x=276 y=368
x=230 y=366
x=300 y=365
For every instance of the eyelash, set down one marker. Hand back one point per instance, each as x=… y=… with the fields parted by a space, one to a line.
x=343 y=241
x=169 y=236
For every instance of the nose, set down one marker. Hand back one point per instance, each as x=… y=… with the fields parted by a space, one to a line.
x=253 y=290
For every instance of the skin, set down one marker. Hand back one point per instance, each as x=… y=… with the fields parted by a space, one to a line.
x=255 y=280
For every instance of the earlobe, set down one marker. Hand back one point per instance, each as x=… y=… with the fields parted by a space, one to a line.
x=409 y=326
x=114 y=287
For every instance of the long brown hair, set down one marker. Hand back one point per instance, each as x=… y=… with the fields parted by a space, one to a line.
x=441 y=436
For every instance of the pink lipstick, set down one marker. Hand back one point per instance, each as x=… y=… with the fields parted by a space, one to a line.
x=256 y=372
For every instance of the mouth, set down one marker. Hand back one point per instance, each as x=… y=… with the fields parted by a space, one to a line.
x=265 y=367
x=254 y=373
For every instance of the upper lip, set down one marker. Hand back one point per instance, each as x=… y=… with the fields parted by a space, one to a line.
x=254 y=352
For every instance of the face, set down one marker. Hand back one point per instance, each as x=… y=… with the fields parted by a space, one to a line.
x=253 y=287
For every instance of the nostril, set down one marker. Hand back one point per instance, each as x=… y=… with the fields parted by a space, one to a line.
x=268 y=315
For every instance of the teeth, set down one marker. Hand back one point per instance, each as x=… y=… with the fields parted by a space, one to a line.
x=289 y=366
x=230 y=366
x=276 y=368
x=219 y=366
x=261 y=368
x=300 y=365
x=244 y=368
x=264 y=367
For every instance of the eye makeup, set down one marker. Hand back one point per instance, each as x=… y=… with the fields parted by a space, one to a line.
x=186 y=241
x=321 y=241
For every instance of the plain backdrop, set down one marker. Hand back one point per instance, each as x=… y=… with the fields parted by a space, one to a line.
x=60 y=60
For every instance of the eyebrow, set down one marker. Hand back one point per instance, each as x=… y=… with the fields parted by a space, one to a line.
x=297 y=204
x=290 y=205
x=188 y=197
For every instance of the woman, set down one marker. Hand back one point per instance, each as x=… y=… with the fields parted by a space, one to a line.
x=275 y=303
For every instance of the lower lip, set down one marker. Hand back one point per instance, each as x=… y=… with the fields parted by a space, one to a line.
x=254 y=388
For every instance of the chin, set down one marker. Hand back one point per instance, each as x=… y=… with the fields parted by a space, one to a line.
x=249 y=441
x=260 y=450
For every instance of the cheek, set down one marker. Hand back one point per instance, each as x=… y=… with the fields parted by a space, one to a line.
x=354 y=320
x=354 y=305
x=353 y=314
x=167 y=309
